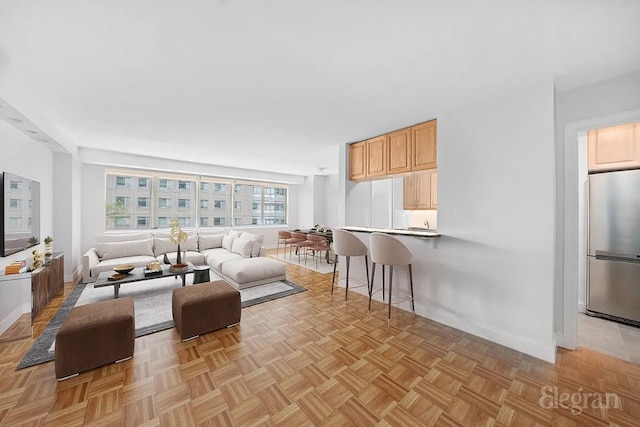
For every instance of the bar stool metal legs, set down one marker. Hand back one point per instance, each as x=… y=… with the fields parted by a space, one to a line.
x=388 y=250
x=348 y=264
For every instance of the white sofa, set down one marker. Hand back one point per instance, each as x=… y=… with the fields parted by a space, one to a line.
x=215 y=248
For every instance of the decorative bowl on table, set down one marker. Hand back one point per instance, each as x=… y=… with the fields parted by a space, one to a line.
x=178 y=268
x=124 y=268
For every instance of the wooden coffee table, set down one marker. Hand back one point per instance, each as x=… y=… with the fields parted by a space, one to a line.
x=137 y=275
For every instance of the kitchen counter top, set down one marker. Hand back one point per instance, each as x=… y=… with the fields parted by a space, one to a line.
x=401 y=231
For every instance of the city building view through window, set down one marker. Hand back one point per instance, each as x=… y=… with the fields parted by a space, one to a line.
x=144 y=201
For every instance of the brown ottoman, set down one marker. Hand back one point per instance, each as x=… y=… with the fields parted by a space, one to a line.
x=93 y=335
x=205 y=307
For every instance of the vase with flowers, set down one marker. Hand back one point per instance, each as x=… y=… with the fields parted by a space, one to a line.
x=177 y=236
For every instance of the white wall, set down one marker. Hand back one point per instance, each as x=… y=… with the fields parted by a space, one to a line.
x=331 y=197
x=491 y=273
x=602 y=104
x=25 y=157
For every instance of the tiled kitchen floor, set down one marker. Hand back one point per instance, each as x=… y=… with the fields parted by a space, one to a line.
x=612 y=338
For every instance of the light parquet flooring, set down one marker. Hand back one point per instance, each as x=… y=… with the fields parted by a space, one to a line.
x=310 y=360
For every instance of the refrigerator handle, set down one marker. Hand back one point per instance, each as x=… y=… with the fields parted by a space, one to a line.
x=617 y=256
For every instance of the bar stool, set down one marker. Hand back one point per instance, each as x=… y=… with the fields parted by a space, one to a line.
x=347 y=244
x=387 y=250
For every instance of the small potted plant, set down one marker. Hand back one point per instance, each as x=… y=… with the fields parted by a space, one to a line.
x=48 y=246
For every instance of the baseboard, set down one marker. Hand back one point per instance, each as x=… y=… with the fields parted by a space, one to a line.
x=11 y=318
x=546 y=352
x=73 y=277
x=582 y=307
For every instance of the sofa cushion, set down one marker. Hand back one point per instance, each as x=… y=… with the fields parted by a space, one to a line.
x=164 y=245
x=249 y=272
x=234 y=233
x=218 y=259
x=110 y=250
x=257 y=240
x=195 y=258
x=227 y=242
x=242 y=246
x=210 y=241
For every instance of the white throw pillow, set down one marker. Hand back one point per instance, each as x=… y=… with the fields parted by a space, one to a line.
x=164 y=245
x=210 y=241
x=111 y=250
x=242 y=247
x=227 y=242
x=234 y=233
x=257 y=240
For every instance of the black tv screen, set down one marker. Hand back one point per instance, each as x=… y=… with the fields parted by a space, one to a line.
x=19 y=213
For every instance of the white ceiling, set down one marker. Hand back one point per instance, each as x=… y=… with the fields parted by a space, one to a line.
x=279 y=85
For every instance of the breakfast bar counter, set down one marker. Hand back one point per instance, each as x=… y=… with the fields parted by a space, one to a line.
x=416 y=232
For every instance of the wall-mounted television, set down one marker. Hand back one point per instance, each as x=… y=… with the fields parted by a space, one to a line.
x=19 y=214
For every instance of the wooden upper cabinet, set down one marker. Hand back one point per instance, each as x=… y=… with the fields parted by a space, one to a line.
x=377 y=156
x=357 y=160
x=400 y=152
x=424 y=146
x=420 y=191
x=614 y=148
x=399 y=159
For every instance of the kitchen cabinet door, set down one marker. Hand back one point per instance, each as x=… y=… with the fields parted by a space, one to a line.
x=399 y=151
x=377 y=156
x=420 y=191
x=357 y=160
x=614 y=148
x=424 y=146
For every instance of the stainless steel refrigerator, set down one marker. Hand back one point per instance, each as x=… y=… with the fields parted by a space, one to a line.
x=613 y=286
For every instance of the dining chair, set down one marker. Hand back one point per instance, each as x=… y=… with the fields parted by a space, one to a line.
x=388 y=250
x=284 y=237
x=347 y=244
x=317 y=244
x=299 y=242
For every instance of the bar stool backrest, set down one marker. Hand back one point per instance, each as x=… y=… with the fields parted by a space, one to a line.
x=345 y=243
x=388 y=250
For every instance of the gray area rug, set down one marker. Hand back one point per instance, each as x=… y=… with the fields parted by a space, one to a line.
x=152 y=305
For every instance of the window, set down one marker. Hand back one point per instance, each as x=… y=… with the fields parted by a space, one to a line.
x=146 y=201
x=15 y=185
x=123 y=181
x=15 y=221
x=123 y=201
x=15 y=203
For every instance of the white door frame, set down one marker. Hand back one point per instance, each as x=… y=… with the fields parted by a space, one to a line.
x=572 y=254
